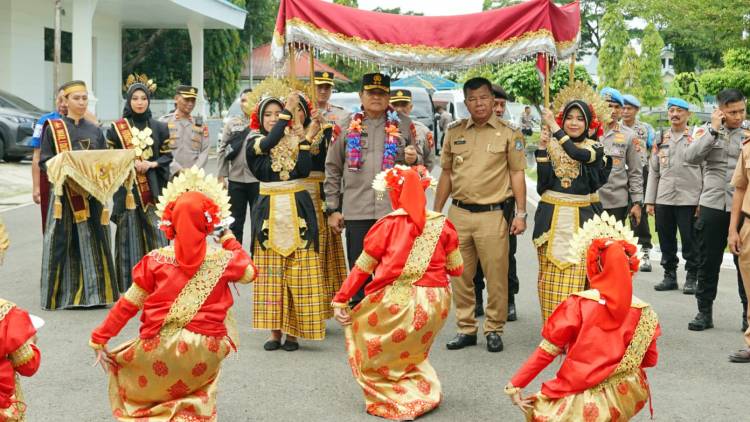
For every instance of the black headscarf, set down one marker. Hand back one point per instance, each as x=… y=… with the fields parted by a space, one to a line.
x=587 y=117
x=262 y=108
x=127 y=111
x=305 y=105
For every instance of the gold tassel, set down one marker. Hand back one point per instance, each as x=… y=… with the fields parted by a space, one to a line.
x=130 y=200
x=105 y=217
x=57 y=213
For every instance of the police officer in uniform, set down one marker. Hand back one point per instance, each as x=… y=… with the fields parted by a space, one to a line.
x=243 y=187
x=625 y=183
x=188 y=135
x=674 y=188
x=401 y=101
x=351 y=166
x=716 y=146
x=483 y=160
x=644 y=133
x=324 y=85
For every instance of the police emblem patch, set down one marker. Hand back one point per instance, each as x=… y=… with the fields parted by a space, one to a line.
x=519 y=145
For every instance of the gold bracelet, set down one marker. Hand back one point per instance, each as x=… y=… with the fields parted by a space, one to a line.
x=338 y=305
x=96 y=346
x=304 y=147
x=511 y=390
x=226 y=237
x=285 y=116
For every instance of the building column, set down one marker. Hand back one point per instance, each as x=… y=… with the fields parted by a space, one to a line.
x=83 y=51
x=196 y=65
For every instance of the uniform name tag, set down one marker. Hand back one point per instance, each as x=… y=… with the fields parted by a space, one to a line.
x=459 y=141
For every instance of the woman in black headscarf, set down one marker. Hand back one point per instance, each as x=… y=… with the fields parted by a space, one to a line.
x=570 y=169
x=134 y=212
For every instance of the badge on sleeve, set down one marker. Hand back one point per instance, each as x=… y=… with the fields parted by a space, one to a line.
x=519 y=145
x=205 y=131
x=699 y=132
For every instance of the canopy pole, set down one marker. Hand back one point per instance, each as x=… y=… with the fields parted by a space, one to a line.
x=292 y=62
x=313 y=89
x=546 y=81
x=571 y=72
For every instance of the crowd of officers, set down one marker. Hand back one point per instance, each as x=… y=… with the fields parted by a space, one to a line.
x=693 y=181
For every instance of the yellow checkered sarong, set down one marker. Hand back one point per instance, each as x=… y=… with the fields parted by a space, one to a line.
x=289 y=293
x=555 y=285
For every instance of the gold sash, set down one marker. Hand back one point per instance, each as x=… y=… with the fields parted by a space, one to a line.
x=565 y=223
x=196 y=291
x=419 y=258
x=5 y=307
x=283 y=219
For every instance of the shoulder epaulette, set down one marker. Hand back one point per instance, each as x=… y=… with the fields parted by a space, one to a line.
x=456 y=123
x=510 y=124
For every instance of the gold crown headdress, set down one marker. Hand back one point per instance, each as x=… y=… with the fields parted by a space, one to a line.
x=196 y=180
x=603 y=226
x=139 y=78
x=275 y=87
x=388 y=179
x=580 y=90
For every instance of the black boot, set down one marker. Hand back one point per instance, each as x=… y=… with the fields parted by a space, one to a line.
x=479 y=307
x=512 y=312
x=704 y=319
x=669 y=282
x=690 y=281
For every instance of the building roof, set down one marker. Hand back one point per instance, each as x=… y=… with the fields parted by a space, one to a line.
x=208 y=14
x=263 y=66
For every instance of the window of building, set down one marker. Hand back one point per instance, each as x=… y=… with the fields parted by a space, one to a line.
x=66 y=44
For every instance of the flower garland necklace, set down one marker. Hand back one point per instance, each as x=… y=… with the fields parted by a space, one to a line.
x=354 y=140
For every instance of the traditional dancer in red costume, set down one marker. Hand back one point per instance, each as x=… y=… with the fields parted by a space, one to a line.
x=170 y=372
x=389 y=334
x=608 y=335
x=18 y=353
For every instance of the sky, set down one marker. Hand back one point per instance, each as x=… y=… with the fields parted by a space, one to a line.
x=428 y=7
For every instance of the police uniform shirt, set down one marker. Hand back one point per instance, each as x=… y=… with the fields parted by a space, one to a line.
x=235 y=170
x=672 y=180
x=621 y=146
x=480 y=158
x=359 y=200
x=424 y=143
x=644 y=134
x=720 y=154
x=189 y=140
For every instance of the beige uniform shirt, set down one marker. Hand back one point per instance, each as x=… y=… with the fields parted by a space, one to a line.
x=424 y=143
x=351 y=190
x=626 y=178
x=189 y=141
x=742 y=173
x=719 y=156
x=671 y=179
x=235 y=170
x=480 y=159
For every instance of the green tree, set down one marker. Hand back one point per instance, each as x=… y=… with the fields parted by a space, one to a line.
x=615 y=40
x=714 y=80
x=561 y=78
x=737 y=58
x=397 y=11
x=629 y=79
x=652 y=84
x=350 y=3
x=687 y=87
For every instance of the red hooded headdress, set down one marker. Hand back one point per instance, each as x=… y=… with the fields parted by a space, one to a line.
x=610 y=265
x=406 y=188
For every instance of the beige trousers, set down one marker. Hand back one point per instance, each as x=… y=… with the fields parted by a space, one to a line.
x=483 y=237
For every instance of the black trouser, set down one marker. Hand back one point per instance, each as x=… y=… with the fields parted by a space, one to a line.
x=241 y=196
x=711 y=232
x=669 y=219
x=642 y=230
x=355 y=239
x=513 y=284
x=620 y=213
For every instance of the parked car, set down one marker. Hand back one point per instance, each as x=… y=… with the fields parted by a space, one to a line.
x=17 y=119
x=349 y=101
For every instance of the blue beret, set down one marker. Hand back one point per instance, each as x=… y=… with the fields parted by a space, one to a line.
x=678 y=102
x=631 y=100
x=612 y=95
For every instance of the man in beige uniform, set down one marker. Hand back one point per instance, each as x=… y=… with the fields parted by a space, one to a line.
x=351 y=202
x=188 y=135
x=739 y=230
x=481 y=158
x=243 y=187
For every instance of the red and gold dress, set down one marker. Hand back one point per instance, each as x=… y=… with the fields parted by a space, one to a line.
x=170 y=372
x=407 y=303
x=18 y=356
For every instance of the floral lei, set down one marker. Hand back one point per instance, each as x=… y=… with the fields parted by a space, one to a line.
x=354 y=140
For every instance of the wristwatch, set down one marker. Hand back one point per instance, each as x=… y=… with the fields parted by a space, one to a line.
x=713 y=132
x=328 y=211
x=522 y=214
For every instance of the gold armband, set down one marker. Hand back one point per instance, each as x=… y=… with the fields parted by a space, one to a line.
x=337 y=305
x=96 y=346
x=511 y=390
x=226 y=237
x=283 y=116
x=304 y=147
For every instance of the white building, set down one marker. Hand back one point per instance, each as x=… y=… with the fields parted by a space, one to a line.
x=96 y=27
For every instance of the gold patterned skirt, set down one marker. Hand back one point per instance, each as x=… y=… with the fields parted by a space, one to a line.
x=331 y=246
x=554 y=284
x=16 y=412
x=618 y=398
x=289 y=294
x=167 y=378
x=388 y=347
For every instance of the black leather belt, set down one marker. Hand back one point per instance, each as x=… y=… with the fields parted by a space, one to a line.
x=478 y=207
